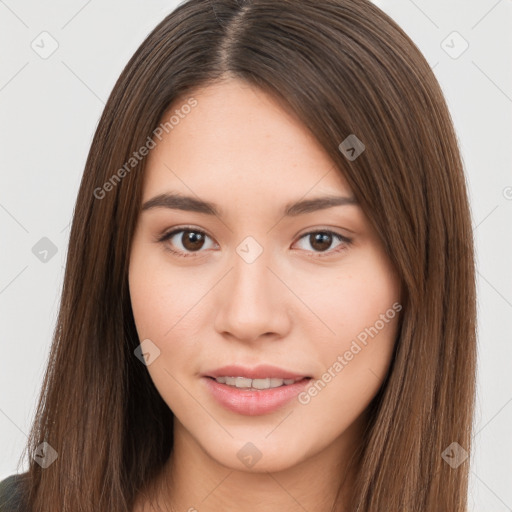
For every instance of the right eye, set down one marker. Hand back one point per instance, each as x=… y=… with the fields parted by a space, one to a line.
x=189 y=240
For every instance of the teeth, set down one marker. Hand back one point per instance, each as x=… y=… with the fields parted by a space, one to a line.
x=240 y=382
x=245 y=383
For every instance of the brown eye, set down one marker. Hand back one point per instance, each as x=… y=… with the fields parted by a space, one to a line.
x=321 y=242
x=185 y=241
x=192 y=240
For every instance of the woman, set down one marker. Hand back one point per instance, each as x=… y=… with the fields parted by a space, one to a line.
x=269 y=298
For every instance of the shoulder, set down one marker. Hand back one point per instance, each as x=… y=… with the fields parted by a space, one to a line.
x=12 y=493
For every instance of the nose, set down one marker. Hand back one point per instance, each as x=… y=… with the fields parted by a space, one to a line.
x=253 y=303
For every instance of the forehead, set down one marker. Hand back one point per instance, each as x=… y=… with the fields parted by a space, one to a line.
x=238 y=140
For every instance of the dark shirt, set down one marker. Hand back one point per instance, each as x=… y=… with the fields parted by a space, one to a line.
x=11 y=494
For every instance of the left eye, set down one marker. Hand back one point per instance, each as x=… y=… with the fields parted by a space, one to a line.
x=322 y=240
x=193 y=240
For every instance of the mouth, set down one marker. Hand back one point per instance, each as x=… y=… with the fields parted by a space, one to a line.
x=255 y=391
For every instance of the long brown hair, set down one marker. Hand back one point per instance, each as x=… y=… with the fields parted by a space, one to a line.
x=342 y=67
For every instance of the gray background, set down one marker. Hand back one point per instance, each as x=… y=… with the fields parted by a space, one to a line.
x=50 y=107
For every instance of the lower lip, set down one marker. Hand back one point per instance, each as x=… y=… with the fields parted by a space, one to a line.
x=253 y=403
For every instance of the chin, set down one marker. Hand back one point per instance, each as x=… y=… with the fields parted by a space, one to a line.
x=259 y=455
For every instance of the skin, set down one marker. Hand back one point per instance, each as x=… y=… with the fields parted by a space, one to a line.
x=297 y=306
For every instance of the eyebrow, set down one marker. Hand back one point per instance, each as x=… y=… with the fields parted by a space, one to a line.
x=193 y=204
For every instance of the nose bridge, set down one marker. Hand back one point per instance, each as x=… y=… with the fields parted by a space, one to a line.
x=251 y=302
x=251 y=274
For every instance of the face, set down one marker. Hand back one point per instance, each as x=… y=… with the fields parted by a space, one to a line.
x=269 y=327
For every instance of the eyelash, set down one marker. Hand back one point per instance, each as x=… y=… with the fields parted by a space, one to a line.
x=166 y=236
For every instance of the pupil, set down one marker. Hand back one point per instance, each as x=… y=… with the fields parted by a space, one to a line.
x=192 y=240
x=322 y=241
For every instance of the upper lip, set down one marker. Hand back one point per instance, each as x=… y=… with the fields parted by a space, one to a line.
x=262 y=371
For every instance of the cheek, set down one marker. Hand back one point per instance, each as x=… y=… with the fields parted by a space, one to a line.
x=161 y=296
x=362 y=308
x=168 y=307
x=168 y=321
x=353 y=297
x=364 y=313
